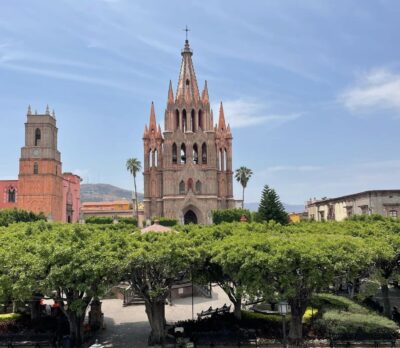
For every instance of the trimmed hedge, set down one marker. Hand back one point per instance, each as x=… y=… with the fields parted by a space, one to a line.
x=99 y=220
x=128 y=220
x=344 y=319
x=230 y=215
x=163 y=221
x=14 y=215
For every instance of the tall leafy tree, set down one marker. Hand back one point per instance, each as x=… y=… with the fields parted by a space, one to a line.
x=243 y=175
x=271 y=208
x=134 y=166
x=154 y=264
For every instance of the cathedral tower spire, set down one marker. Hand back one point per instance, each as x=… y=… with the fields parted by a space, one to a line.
x=153 y=122
x=221 y=120
x=188 y=89
x=170 y=94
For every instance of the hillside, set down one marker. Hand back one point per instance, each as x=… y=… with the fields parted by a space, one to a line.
x=104 y=193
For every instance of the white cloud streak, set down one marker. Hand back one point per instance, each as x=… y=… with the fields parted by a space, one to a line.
x=376 y=90
x=242 y=113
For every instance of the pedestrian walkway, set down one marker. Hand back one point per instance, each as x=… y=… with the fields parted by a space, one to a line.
x=128 y=327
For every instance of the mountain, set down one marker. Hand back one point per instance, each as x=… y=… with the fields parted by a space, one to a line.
x=290 y=208
x=104 y=193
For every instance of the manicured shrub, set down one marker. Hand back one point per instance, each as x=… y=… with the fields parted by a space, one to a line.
x=230 y=215
x=163 y=221
x=344 y=319
x=9 y=216
x=128 y=220
x=99 y=220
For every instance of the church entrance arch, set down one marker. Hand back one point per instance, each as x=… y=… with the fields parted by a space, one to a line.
x=190 y=217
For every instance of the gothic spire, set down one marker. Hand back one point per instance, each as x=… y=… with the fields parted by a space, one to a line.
x=153 y=122
x=29 y=110
x=47 y=110
x=170 y=94
x=188 y=89
x=205 y=96
x=221 y=120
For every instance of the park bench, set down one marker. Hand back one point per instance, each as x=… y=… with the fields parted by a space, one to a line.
x=29 y=340
x=210 y=311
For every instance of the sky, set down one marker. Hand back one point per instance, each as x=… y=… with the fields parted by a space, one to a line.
x=310 y=88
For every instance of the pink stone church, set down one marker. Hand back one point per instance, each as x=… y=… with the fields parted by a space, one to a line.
x=188 y=166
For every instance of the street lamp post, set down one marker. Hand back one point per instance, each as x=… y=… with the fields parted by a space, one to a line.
x=283 y=310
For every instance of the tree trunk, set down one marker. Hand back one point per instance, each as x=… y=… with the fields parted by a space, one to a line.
x=298 y=309
x=238 y=308
x=136 y=202
x=386 y=300
x=243 y=198
x=156 y=314
x=35 y=310
x=75 y=328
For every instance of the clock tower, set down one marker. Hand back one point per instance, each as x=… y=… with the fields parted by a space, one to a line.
x=40 y=174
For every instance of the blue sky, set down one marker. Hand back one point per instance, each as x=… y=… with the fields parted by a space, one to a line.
x=310 y=88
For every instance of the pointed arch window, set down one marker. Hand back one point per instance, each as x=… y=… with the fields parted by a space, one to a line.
x=204 y=153
x=182 y=187
x=184 y=121
x=38 y=137
x=193 y=120
x=183 y=154
x=174 y=154
x=220 y=160
x=11 y=195
x=176 y=119
x=195 y=154
x=35 y=168
x=150 y=158
x=200 y=120
x=155 y=161
x=225 y=160
x=198 y=186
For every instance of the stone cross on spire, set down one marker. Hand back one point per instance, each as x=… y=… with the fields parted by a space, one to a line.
x=186 y=29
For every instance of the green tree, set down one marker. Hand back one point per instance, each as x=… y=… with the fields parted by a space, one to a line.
x=73 y=264
x=153 y=265
x=271 y=207
x=134 y=166
x=243 y=175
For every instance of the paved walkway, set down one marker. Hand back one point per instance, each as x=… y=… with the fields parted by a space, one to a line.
x=128 y=327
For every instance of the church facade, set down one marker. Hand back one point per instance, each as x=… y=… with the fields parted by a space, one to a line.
x=42 y=187
x=188 y=166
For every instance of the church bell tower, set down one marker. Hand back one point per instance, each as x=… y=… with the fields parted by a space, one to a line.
x=40 y=173
x=188 y=167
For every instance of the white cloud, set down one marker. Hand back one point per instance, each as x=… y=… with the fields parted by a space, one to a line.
x=378 y=89
x=242 y=113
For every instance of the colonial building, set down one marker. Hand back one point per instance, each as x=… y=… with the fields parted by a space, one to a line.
x=383 y=202
x=188 y=167
x=41 y=186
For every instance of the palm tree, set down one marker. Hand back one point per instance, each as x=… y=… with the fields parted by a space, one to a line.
x=242 y=175
x=134 y=166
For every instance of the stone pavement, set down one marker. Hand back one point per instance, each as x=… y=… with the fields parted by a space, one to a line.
x=128 y=327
